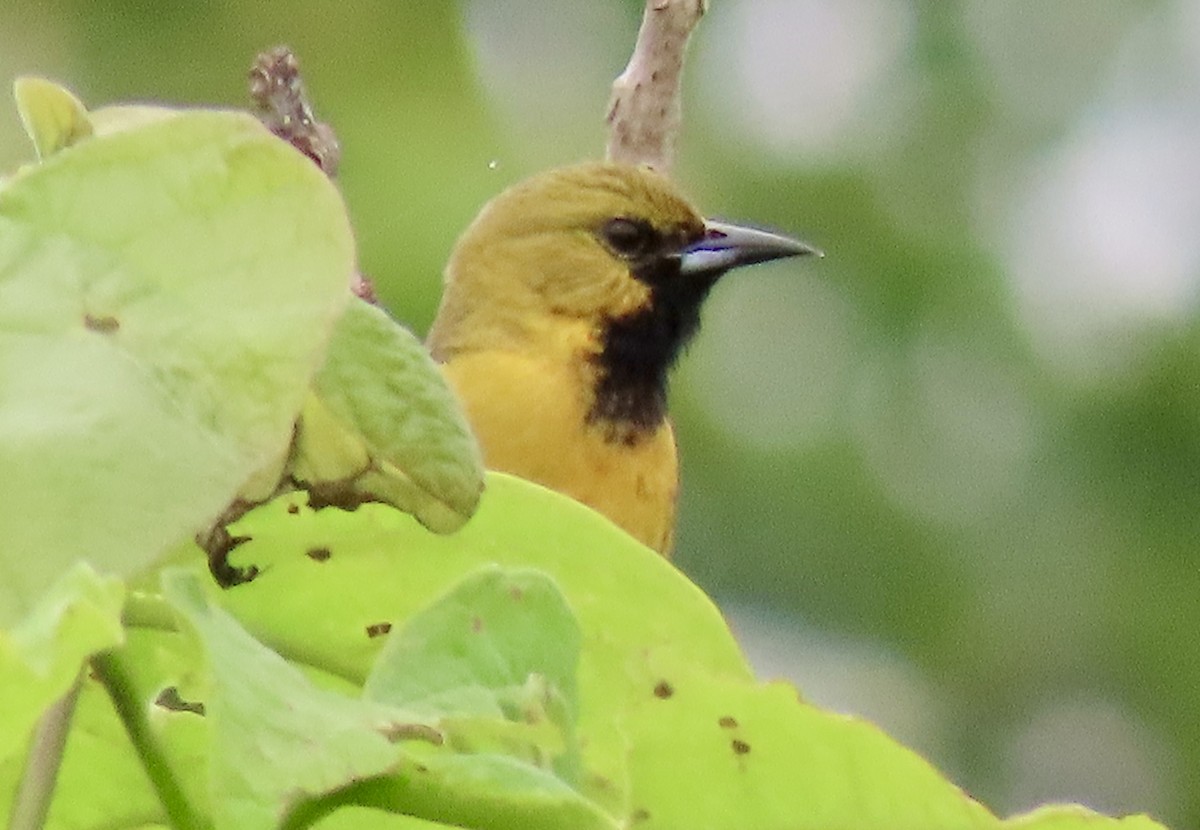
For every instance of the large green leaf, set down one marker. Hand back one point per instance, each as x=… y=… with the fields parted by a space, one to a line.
x=674 y=730
x=638 y=615
x=166 y=294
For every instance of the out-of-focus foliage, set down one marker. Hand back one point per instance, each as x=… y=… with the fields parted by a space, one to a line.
x=960 y=457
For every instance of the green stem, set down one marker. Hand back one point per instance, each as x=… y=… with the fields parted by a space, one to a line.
x=113 y=673
x=32 y=801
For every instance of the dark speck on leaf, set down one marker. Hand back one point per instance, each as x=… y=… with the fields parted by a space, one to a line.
x=378 y=629
x=477 y=624
x=727 y=722
x=396 y=732
x=318 y=554
x=639 y=815
x=739 y=747
x=516 y=593
x=102 y=325
x=293 y=509
x=170 y=700
x=663 y=690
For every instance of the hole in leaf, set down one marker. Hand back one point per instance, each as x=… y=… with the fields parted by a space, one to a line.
x=378 y=629
x=219 y=544
x=170 y=700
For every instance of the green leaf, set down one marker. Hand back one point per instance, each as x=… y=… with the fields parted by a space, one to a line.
x=42 y=655
x=709 y=751
x=1072 y=817
x=53 y=117
x=496 y=659
x=634 y=609
x=282 y=747
x=674 y=729
x=166 y=295
x=486 y=792
x=277 y=740
x=362 y=818
x=387 y=426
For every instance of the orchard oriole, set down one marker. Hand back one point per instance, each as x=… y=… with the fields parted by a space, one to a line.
x=566 y=303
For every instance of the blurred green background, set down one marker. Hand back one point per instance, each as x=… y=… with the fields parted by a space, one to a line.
x=947 y=478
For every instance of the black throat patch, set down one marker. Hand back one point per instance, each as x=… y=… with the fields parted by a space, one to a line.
x=639 y=349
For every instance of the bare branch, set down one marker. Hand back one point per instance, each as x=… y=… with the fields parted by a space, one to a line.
x=644 y=112
x=277 y=90
x=32 y=799
x=278 y=94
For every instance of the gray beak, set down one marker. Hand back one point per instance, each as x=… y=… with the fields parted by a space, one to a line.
x=725 y=246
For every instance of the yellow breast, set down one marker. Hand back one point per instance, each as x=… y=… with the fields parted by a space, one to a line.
x=530 y=416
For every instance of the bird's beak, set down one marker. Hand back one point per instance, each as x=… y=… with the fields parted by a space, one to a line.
x=725 y=246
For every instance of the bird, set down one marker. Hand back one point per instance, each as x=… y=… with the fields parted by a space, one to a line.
x=565 y=305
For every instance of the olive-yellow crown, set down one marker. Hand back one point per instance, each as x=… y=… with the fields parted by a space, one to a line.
x=562 y=245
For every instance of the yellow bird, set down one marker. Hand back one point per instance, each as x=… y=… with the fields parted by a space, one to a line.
x=566 y=303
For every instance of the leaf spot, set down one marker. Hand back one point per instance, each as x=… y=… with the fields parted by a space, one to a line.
x=476 y=624
x=378 y=629
x=727 y=722
x=396 y=731
x=101 y=324
x=293 y=509
x=739 y=747
x=319 y=554
x=663 y=690
x=639 y=815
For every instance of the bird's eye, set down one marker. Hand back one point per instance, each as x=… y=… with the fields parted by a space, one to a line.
x=629 y=237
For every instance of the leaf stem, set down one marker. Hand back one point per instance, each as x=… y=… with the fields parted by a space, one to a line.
x=32 y=802
x=114 y=675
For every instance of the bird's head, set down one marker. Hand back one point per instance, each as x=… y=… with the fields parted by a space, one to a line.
x=605 y=259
